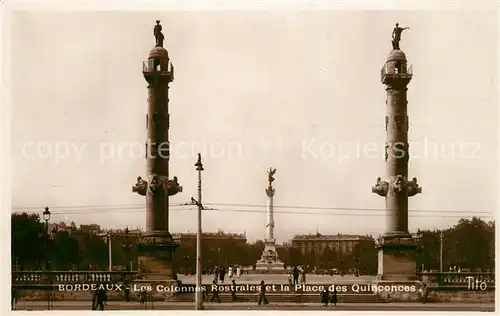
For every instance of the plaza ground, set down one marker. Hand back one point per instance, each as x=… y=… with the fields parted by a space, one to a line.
x=281 y=279
x=85 y=305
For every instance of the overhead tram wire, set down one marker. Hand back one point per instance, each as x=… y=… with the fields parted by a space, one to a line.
x=378 y=213
x=141 y=207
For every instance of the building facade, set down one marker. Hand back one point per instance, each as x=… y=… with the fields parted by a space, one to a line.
x=218 y=249
x=342 y=244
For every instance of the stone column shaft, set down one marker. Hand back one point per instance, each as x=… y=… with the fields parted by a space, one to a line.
x=270 y=213
x=158 y=155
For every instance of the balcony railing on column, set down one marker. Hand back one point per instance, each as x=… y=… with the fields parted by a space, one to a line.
x=403 y=71
x=153 y=66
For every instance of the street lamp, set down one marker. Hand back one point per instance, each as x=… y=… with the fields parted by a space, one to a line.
x=126 y=249
x=46 y=218
x=198 y=292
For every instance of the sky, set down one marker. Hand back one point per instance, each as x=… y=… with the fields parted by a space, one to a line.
x=298 y=91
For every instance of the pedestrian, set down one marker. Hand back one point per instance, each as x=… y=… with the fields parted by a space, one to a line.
x=238 y=272
x=425 y=292
x=230 y=272
x=13 y=301
x=99 y=299
x=262 y=294
x=94 y=300
x=303 y=277
x=290 y=278
x=233 y=291
x=334 y=297
x=142 y=297
x=295 y=275
x=215 y=292
x=205 y=294
x=325 y=297
x=222 y=274
x=216 y=274
x=126 y=291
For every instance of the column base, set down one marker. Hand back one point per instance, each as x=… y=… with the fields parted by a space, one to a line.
x=156 y=276
x=269 y=261
x=396 y=258
x=397 y=270
x=398 y=291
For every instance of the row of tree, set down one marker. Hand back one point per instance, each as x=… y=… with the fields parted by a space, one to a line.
x=469 y=244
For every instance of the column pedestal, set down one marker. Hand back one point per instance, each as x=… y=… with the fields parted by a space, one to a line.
x=397 y=270
x=269 y=261
x=156 y=273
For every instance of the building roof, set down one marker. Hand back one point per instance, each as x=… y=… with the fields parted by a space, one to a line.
x=218 y=234
x=338 y=237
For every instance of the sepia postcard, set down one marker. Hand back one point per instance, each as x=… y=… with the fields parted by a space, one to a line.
x=252 y=160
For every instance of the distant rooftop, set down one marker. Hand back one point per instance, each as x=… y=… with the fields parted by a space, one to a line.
x=207 y=234
x=318 y=236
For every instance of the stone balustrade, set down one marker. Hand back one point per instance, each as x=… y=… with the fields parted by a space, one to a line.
x=20 y=278
x=458 y=279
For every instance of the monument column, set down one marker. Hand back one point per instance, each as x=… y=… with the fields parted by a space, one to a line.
x=396 y=247
x=156 y=246
x=269 y=261
x=270 y=215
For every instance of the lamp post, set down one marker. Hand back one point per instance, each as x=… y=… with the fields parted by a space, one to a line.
x=441 y=251
x=126 y=249
x=198 y=291
x=46 y=218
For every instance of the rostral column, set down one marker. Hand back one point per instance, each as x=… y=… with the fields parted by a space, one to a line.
x=156 y=245
x=396 y=263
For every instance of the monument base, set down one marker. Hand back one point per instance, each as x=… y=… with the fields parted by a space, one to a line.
x=397 y=268
x=269 y=261
x=156 y=275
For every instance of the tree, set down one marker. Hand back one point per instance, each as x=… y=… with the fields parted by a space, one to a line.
x=469 y=244
x=28 y=241
x=64 y=251
x=365 y=257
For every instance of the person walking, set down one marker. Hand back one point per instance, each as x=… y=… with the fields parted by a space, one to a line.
x=238 y=272
x=262 y=294
x=334 y=297
x=142 y=297
x=425 y=292
x=215 y=292
x=99 y=299
x=233 y=291
x=13 y=301
x=230 y=272
x=325 y=297
x=222 y=274
x=216 y=274
x=290 y=278
x=303 y=277
x=295 y=275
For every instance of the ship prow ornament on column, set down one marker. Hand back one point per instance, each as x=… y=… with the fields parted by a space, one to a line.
x=156 y=246
x=269 y=261
x=396 y=248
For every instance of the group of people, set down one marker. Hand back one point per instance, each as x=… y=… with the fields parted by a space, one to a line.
x=220 y=273
x=99 y=299
x=215 y=293
x=326 y=298
x=294 y=274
